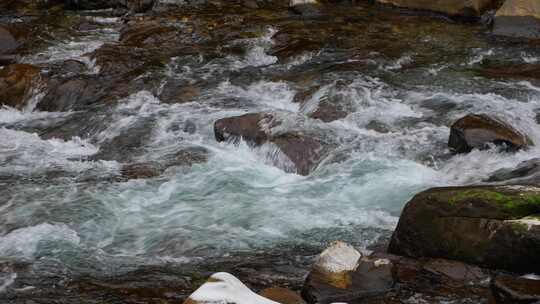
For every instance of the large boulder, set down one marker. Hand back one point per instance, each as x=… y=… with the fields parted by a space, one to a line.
x=518 y=18
x=16 y=83
x=341 y=274
x=304 y=150
x=462 y=8
x=492 y=226
x=481 y=131
x=223 y=287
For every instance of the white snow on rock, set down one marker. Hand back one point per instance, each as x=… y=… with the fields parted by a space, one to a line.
x=224 y=288
x=339 y=257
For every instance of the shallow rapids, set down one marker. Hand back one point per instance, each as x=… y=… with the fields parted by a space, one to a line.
x=63 y=200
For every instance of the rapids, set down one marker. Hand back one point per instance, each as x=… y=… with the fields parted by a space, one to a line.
x=63 y=204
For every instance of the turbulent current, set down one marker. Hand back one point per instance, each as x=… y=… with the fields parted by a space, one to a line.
x=63 y=203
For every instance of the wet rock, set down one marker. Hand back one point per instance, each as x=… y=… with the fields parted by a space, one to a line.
x=143 y=34
x=282 y=295
x=177 y=92
x=16 y=83
x=93 y=4
x=480 y=131
x=307 y=8
x=251 y=127
x=139 y=6
x=73 y=67
x=225 y=288
x=438 y=277
x=7 y=41
x=71 y=94
x=512 y=290
x=250 y=4
x=378 y=126
x=491 y=226
x=517 y=71
x=518 y=18
x=304 y=150
x=527 y=172
x=461 y=8
x=188 y=157
x=141 y=170
x=341 y=274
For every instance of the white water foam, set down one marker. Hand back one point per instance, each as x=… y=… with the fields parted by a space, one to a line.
x=25 y=241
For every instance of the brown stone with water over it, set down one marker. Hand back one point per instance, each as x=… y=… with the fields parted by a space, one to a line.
x=303 y=149
x=282 y=295
x=16 y=82
x=7 y=41
x=479 y=131
x=516 y=71
x=511 y=290
x=462 y=8
x=491 y=226
x=518 y=18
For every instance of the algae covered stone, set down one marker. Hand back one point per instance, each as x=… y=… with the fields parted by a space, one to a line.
x=491 y=226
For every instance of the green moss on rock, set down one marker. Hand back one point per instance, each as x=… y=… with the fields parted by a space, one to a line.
x=518 y=204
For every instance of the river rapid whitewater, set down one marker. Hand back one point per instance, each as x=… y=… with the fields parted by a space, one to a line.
x=68 y=216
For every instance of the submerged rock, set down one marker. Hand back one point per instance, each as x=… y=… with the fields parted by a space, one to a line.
x=512 y=290
x=491 y=226
x=304 y=150
x=518 y=71
x=7 y=41
x=341 y=274
x=527 y=172
x=16 y=83
x=518 y=18
x=462 y=8
x=223 y=287
x=74 y=93
x=480 y=131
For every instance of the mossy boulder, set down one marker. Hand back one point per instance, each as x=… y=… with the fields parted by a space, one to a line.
x=490 y=226
x=480 y=131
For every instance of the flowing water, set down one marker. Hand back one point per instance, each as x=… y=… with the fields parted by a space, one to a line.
x=64 y=211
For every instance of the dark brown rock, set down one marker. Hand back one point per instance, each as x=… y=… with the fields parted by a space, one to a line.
x=304 y=150
x=72 y=94
x=175 y=92
x=16 y=82
x=512 y=290
x=250 y=127
x=494 y=226
x=141 y=170
x=340 y=274
x=517 y=71
x=282 y=295
x=7 y=41
x=481 y=131
x=461 y=8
